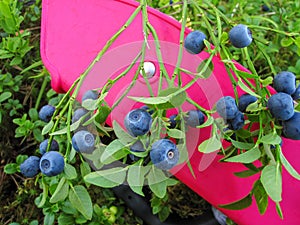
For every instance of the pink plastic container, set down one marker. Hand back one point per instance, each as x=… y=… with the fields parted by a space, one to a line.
x=73 y=32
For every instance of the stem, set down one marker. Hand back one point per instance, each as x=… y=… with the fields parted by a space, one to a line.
x=42 y=90
x=180 y=52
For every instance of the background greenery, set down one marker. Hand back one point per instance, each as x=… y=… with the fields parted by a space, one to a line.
x=25 y=87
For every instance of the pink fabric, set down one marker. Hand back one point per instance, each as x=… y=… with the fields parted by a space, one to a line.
x=73 y=32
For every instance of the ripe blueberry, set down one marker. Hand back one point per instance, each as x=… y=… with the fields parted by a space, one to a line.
x=220 y=217
x=237 y=122
x=285 y=82
x=164 y=154
x=265 y=8
x=240 y=36
x=83 y=141
x=296 y=94
x=30 y=167
x=78 y=113
x=138 y=122
x=226 y=107
x=90 y=94
x=194 y=118
x=44 y=144
x=194 y=42
x=291 y=127
x=245 y=100
x=52 y=163
x=46 y=112
x=136 y=147
x=281 y=106
x=172 y=121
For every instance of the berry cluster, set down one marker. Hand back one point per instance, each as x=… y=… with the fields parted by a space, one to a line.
x=52 y=162
x=164 y=153
x=281 y=104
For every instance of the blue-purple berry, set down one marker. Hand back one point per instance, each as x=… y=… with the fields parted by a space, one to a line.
x=90 y=94
x=237 y=122
x=30 y=167
x=83 y=141
x=281 y=106
x=240 y=36
x=285 y=82
x=44 y=144
x=226 y=107
x=52 y=163
x=46 y=113
x=195 y=118
x=164 y=154
x=194 y=42
x=138 y=122
x=244 y=101
x=291 y=127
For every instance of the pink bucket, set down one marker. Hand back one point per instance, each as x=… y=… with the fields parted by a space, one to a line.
x=73 y=32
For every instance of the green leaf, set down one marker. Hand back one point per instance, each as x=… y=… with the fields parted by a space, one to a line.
x=33 y=114
x=48 y=127
x=242 y=145
x=102 y=114
x=84 y=168
x=271 y=138
x=288 y=166
x=121 y=134
x=240 y=204
x=21 y=158
x=81 y=200
x=61 y=191
x=246 y=157
x=279 y=211
x=209 y=121
x=286 y=41
x=49 y=218
x=90 y=104
x=247 y=74
x=208 y=71
x=175 y=133
x=169 y=98
x=267 y=81
x=261 y=197
x=245 y=88
x=73 y=127
x=4 y=96
x=135 y=178
x=245 y=173
x=45 y=188
x=11 y=168
x=70 y=172
x=107 y=178
x=157 y=182
x=114 y=151
x=272 y=181
x=210 y=145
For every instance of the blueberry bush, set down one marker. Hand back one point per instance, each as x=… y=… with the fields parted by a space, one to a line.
x=61 y=155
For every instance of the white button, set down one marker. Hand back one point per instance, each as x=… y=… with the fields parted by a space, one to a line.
x=149 y=69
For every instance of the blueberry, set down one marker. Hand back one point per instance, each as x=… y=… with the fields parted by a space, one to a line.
x=44 y=144
x=291 y=127
x=296 y=94
x=285 y=82
x=237 y=122
x=90 y=94
x=30 y=167
x=164 y=154
x=194 y=118
x=265 y=8
x=226 y=107
x=245 y=100
x=78 y=113
x=46 y=113
x=138 y=122
x=194 y=42
x=281 y=106
x=83 y=141
x=172 y=121
x=240 y=36
x=52 y=163
x=220 y=217
x=136 y=147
